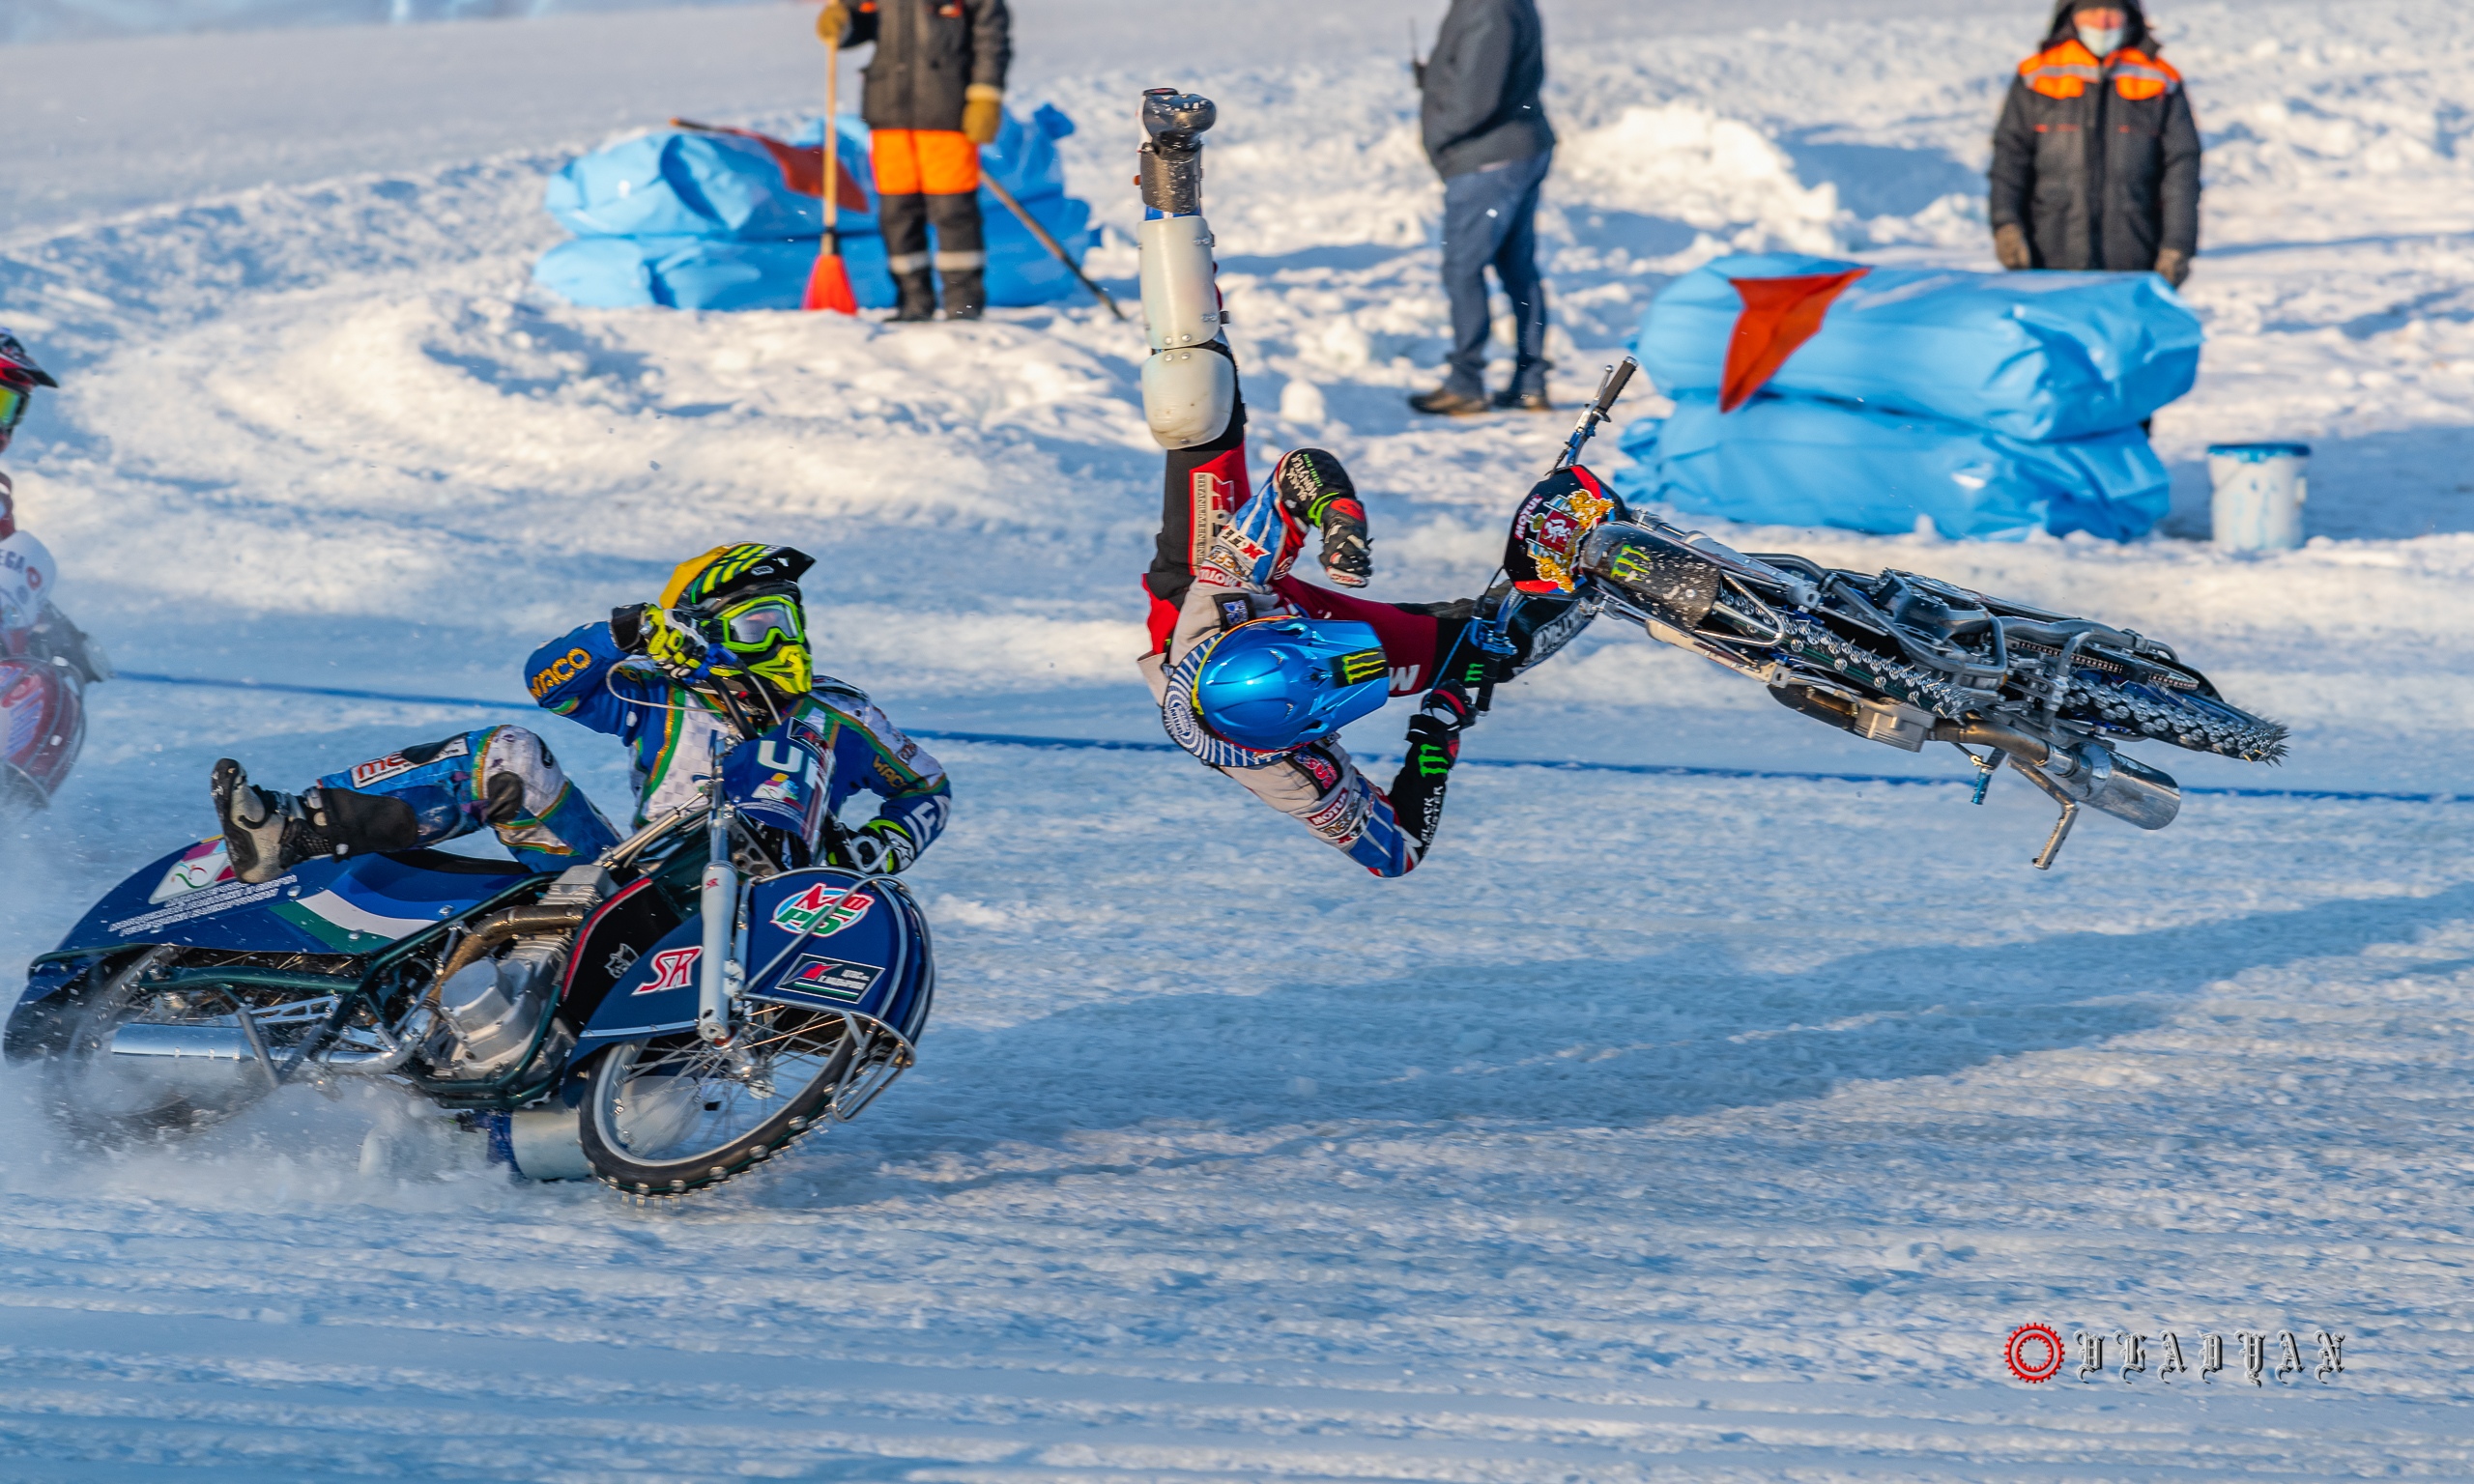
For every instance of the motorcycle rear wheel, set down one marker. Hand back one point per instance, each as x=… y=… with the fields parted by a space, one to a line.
x=112 y=1100
x=674 y=1115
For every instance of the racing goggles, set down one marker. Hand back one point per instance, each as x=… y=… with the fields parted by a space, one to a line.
x=752 y=627
x=13 y=406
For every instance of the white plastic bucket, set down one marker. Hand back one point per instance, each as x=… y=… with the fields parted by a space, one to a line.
x=2257 y=492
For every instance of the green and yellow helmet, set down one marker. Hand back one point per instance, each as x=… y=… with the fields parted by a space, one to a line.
x=745 y=598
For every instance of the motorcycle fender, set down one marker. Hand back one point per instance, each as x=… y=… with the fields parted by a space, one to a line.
x=39 y=1023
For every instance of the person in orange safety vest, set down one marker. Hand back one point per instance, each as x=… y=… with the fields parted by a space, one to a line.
x=935 y=94
x=2096 y=160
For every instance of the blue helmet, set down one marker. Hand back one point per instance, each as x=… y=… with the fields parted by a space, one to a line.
x=1272 y=684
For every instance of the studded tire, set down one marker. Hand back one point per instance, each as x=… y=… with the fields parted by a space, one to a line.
x=672 y=1116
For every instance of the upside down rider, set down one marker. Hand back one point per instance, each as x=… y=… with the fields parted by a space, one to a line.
x=1256 y=670
x=723 y=650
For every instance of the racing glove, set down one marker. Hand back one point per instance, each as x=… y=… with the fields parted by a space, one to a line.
x=1317 y=490
x=880 y=846
x=648 y=629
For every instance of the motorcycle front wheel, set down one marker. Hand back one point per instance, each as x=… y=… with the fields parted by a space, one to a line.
x=674 y=1114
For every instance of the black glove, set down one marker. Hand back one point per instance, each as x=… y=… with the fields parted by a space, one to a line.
x=1317 y=491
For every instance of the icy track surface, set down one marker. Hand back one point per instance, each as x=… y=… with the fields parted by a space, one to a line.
x=1661 y=1127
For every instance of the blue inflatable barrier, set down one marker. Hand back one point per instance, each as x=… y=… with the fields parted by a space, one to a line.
x=699 y=273
x=694 y=220
x=1791 y=461
x=2036 y=356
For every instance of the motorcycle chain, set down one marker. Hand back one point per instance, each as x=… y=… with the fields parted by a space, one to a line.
x=2183 y=724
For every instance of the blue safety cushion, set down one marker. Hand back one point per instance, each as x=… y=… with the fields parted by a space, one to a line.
x=1791 y=461
x=2035 y=355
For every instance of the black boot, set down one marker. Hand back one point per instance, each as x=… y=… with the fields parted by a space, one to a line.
x=961 y=253
x=916 y=296
x=267 y=833
x=904 y=220
x=1434 y=746
x=965 y=293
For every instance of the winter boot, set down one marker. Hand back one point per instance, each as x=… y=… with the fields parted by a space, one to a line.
x=267 y=833
x=916 y=296
x=961 y=253
x=965 y=293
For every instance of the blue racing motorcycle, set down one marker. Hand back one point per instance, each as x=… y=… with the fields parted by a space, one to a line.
x=675 y=1013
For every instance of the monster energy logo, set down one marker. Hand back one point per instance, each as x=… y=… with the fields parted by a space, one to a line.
x=1364 y=664
x=1631 y=567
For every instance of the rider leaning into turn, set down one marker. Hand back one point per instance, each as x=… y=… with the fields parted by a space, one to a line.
x=723 y=652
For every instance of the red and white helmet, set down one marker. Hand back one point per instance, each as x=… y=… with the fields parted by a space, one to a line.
x=19 y=375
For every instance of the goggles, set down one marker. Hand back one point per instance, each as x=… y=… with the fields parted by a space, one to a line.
x=13 y=406
x=751 y=627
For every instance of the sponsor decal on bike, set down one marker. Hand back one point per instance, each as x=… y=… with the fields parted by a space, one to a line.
x=778 y=789
x=208 y=863
x=621 y=958
x=833 y=979
x=674 y=968
x=222 y=898
x=823 y=910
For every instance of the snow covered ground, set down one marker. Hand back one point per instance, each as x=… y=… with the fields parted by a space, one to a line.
x=1689 y=1128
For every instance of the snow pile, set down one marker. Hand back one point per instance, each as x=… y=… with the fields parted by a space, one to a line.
x=1717 y=174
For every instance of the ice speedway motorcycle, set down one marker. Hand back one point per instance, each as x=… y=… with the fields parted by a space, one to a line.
x=672 y=1014
x=45 y=665
x=1894 y=657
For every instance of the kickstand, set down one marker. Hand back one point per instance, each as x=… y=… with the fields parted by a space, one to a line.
x=2060 y=833
x=2061 y=826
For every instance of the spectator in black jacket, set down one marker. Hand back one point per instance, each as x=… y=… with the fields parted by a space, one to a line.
x=1486 y=133
x=933 y=96
x=2096 y=161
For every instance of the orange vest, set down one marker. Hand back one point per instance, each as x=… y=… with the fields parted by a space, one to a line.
x=2065 y=70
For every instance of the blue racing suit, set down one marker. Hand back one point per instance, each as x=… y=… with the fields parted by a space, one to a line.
x=670 y=731
x=505 y=778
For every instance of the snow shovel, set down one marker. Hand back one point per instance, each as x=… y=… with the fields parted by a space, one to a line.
x=1006 y=199
x=829 y=281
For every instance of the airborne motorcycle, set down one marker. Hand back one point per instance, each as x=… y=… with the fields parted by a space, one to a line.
x=1895 y=657
x=664 y=1018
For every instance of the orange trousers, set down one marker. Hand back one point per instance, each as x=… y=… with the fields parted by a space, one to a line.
x=925 y=161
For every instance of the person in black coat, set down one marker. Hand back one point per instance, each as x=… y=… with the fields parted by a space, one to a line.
x=2096 y=160
x=1487 y=133
x=935 y=94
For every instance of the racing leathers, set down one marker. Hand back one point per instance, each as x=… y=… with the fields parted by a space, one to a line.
x=31 y=627
x=506 y=780
x=1244 y=575
x=670 y=731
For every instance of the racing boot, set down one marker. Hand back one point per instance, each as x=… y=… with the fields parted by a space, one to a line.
x=1317 y=491
x=265 y=833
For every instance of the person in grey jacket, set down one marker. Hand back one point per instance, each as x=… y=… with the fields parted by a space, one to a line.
x=1487 y=133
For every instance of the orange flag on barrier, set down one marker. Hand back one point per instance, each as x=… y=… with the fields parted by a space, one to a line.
x=1779 y=314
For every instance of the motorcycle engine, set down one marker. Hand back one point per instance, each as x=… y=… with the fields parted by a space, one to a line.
x=491 y=1006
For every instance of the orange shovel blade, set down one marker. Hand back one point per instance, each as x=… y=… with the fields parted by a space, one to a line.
x=829 y=285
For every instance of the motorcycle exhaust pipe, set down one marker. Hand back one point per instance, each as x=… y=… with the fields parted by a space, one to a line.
x=2090 y=774
x=183 y=1042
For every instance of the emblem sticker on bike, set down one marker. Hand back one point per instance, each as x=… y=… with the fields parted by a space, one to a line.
x=834 y=978
x=823 y=910
x=674 y=968
x=208 y=863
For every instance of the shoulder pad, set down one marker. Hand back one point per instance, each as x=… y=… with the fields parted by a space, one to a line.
x=840 y=695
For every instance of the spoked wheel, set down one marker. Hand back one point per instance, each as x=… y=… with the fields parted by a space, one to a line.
x=671 y=1115
x=146 y=1063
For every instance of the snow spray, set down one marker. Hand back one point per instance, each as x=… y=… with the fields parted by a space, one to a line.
x=2258 y=490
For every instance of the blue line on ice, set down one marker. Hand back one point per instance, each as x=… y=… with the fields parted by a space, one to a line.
x=1106 y=744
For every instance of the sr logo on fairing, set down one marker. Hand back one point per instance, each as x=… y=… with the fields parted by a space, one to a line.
x=674 y=968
